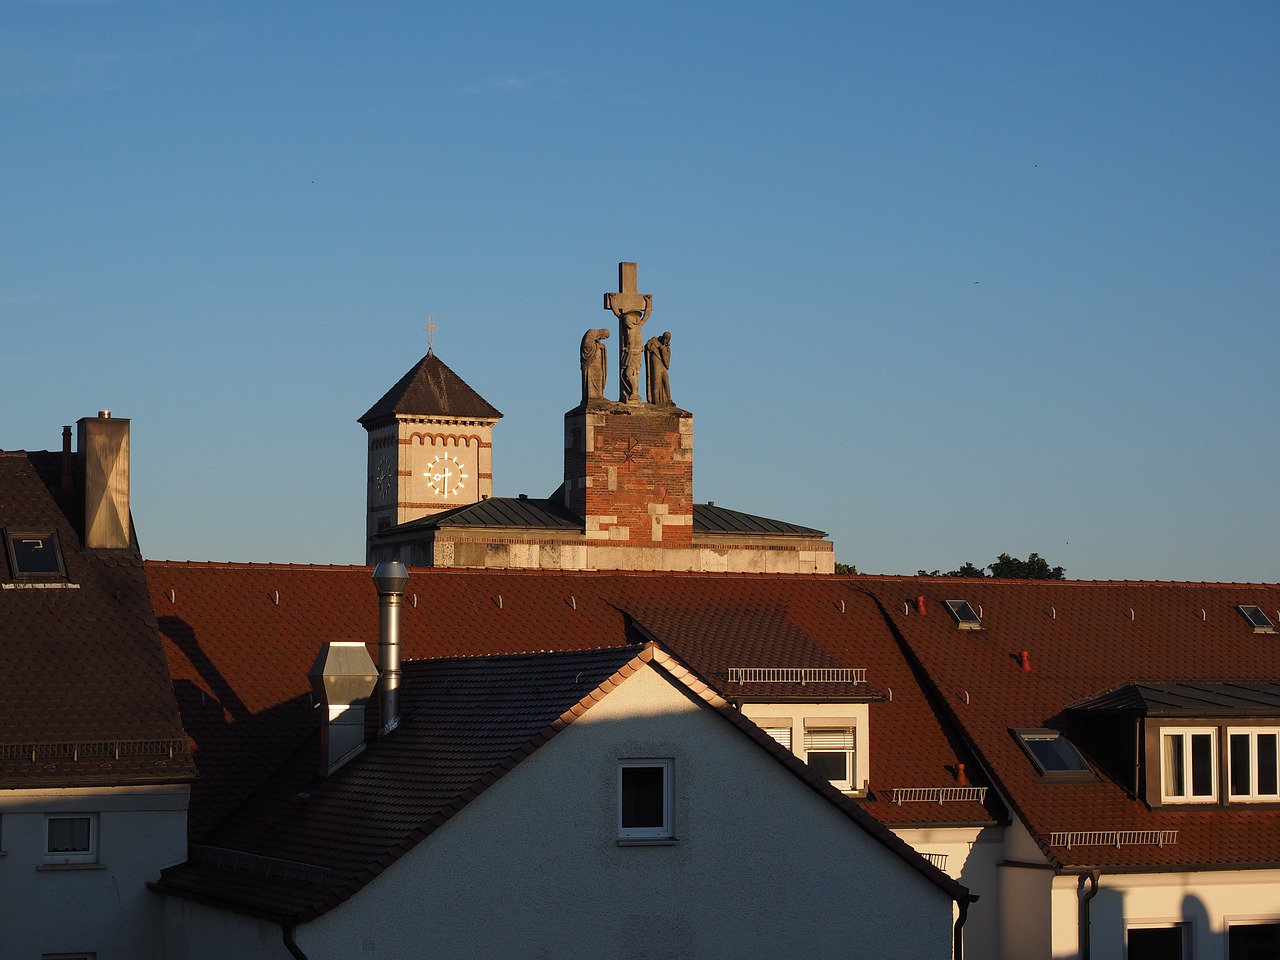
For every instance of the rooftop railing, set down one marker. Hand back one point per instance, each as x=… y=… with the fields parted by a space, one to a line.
x=939 y=795
x=800 y=675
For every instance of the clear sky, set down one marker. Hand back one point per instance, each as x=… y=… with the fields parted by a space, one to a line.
x=944 y=279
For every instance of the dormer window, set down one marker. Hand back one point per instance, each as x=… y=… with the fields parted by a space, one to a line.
x=34 y=555
x=1253 y=764
x=966 y=617
x=1260 y=622
x=1188 y=765
x=830 y=751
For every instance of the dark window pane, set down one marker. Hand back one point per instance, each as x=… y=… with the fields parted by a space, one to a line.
x=1268 y=780
x=642 y=796
x=1156 y=943
x=1174 y=778
x=1241 y=773
x=69 y=835
x=1202 y=765
x=830 y=766
x=1055 y=753
x=1253 y=941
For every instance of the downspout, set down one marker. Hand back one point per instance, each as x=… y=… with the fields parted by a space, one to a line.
x=289 y=943
x=957 y=931
x=1092 y=876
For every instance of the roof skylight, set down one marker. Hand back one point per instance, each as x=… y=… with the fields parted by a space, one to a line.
x=1260 y=621
x=966 y=617
x=34 y=555
x=1053 y=754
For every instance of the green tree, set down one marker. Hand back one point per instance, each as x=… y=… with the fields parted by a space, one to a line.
x=846 y=569
x=1035 y=567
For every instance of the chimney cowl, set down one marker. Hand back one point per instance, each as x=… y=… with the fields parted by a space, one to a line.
x=389 y=577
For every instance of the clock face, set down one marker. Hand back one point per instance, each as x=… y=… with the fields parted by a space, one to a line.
x=445 y=476
x=384 y=475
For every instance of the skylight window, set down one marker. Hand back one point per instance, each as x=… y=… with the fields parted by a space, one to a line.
x=1054 y=755
x=966 y=617
x=34 y=555
x=1260 y=621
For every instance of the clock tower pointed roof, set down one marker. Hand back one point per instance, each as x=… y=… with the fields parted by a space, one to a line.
x=430 y=389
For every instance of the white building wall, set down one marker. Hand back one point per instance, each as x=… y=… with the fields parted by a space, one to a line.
x=762 y=866
x=102 y=907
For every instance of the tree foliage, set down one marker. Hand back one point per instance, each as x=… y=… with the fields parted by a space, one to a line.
x=846 y=569
x=1035 y=567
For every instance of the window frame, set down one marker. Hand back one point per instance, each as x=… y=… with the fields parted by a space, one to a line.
x=1253 y=795
x=12 y=536
x=966 y=614
x=1187 y=758
x=656 y=833
x=850 y=753
x=89 y=854
x=1183 y=927
x=1083 y=773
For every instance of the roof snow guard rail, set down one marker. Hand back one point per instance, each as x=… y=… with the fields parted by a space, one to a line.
x=255 y=865
x=1113 y=838
x=938 y=795
x=91 y=749
x=801 y=675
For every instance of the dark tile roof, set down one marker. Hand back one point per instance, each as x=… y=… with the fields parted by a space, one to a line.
x=430 y=389
x=85 y=694
x=241 y=637
x=709 y=518
x=466 y=722
x=498 y=512
x=1085 y=639
x=551 y=514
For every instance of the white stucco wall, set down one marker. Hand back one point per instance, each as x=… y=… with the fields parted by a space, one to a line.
x=102 y=907
x=763 y=867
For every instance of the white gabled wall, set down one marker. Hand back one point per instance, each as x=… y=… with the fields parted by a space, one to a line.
x=763 y=866
x=103 y=907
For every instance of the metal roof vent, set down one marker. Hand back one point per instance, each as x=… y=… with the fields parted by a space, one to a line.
x=342 y=679
x=389 y=577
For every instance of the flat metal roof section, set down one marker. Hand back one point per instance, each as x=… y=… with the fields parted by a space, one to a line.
x=1209 y=699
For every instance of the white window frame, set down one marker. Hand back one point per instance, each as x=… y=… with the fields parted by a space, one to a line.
x=835 y=731
x=1246 y=921
x=1252 y=795
x=87 y=855
x=654 y=832
x=1188 y=734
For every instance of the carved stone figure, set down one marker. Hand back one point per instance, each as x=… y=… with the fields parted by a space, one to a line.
x=632 y=310
x=657 y=358
x=595 y=362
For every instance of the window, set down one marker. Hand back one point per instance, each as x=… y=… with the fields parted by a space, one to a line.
x=34 y=555
x=831 y=751
x=71 y=840
x=778 y=728
x=1253 y=763
x=1157 y=943
x=1188 y=760
x=1054 y=755
x=1253 y=941
x=966 y=617
x=644 y=800
x=1260 y=622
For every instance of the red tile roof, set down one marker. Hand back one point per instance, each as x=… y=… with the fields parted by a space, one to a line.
x=85 y=695
x=241 y=637
x=1084 y=639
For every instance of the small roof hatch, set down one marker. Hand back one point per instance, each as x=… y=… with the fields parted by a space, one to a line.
x=966 y=617
x=1260 y=621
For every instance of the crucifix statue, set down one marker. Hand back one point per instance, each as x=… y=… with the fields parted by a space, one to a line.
x=632 y=310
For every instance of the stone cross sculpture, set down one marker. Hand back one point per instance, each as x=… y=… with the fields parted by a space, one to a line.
x=657 y=358
x=595 y=362
x=632 y=310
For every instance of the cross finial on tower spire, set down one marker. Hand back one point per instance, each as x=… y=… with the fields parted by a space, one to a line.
x=431 y=327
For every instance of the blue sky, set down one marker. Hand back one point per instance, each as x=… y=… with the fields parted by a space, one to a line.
x=943 y=279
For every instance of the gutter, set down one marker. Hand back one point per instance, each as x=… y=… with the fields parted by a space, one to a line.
x=957 y=931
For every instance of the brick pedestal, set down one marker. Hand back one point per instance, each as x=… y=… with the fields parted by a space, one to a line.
x=628 y=471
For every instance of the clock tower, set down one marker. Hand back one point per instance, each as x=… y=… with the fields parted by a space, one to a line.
x=430 y=448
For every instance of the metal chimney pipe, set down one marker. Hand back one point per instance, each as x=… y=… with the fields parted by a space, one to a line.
x=67 y=483
x=389 y=577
